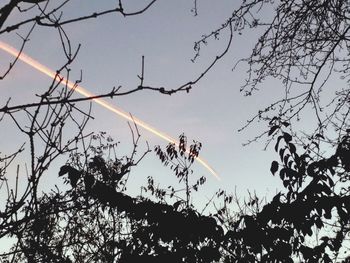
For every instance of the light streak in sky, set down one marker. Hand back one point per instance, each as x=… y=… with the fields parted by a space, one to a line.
x=52 y=74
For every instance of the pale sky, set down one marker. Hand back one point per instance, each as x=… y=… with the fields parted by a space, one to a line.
x=110 y=55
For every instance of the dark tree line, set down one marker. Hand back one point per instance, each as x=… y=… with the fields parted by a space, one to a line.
x=93 y=219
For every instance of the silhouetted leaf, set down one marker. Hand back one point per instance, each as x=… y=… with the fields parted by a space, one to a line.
x=283 y=173
x=292 y=148
x=73 y=174
x=286 y=159
x=273 y=129
x=281 y=153
x=274 y=167
x=277 y=143
x=287 y=137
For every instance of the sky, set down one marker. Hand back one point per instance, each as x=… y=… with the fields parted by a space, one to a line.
x=110 y=55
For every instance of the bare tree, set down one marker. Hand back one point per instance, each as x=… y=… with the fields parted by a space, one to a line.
x=305 y=45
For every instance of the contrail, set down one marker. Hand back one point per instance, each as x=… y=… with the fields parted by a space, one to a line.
x=52 y=74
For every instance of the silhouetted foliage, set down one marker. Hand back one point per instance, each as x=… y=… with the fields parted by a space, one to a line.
x=94 y=219
x=309 y=221
x=98 y=217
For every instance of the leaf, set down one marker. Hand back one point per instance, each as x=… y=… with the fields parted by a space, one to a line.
x=287 y=137
x=63 y=170
x=273 y=120
x=285 y=124
x=327 y=212
x=73 y=174
x=273 y=129
x=278 y=141
x=286 y=159
x=282 y=153
x=292 y=148
x=274 y=167
x=283 y=173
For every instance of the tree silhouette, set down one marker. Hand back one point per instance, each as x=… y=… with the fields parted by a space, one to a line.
x=306 y=222
x=304 y=45
x=96 y=221
x=93 y=219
